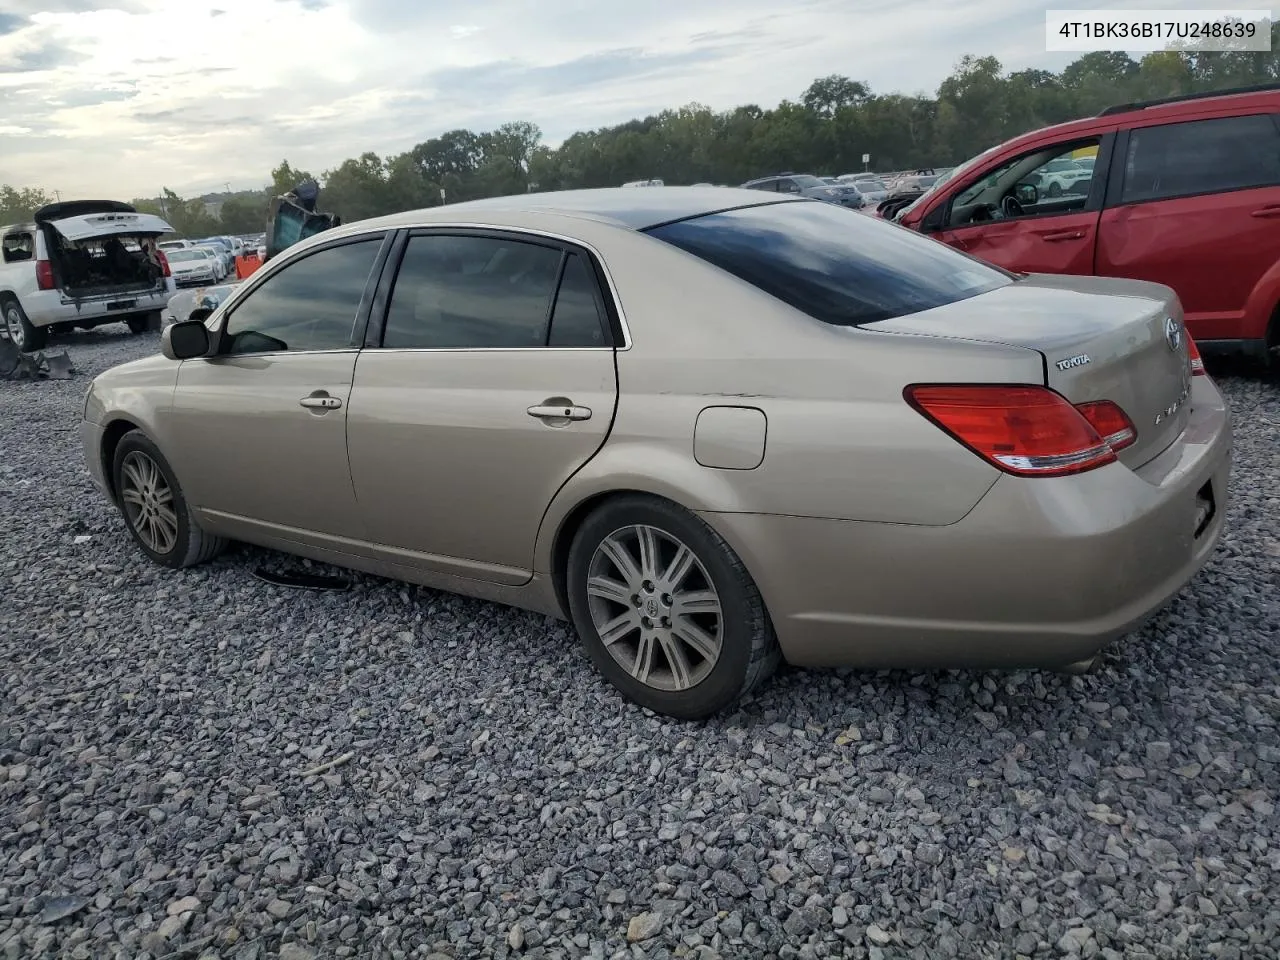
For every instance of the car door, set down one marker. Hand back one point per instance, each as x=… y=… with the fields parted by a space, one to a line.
x=1055 y=234
x=259 y=428
x=1198 y=209
x=493 y=382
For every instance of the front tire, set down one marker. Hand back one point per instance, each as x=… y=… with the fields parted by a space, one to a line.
x=22 y=334
x=1055 y=189
x=666 y=609
x=154 y=509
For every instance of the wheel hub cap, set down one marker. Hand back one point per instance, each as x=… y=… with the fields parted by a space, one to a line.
x=655 y=608
x=148 y=502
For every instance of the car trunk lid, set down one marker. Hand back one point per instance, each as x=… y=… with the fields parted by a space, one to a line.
x=98 y=226
x=1101 y=339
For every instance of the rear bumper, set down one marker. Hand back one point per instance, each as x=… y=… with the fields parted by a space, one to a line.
x=1041 y=573
x=47 y=307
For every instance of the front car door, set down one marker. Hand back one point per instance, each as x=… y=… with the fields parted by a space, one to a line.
x=1198 y=208
x=492 y=383
x=1056 y=233
x=260 y=427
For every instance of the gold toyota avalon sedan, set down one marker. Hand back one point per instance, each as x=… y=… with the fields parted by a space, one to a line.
x=714 y=429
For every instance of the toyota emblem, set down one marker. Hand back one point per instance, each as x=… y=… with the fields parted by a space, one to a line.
x=1173 y=333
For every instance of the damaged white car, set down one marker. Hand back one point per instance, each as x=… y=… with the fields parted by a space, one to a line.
x=81 y=264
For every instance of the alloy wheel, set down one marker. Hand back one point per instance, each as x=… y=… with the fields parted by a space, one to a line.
x=655 y=608
x=13 y=326
x=148 y=502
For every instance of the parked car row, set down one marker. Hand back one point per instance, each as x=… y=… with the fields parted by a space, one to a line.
x=807 y=185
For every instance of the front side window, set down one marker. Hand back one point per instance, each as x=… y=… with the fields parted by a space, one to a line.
x=1062 y=186
x=467 y=292
x=1201 y=156
x=309 y=304
x=841 y=269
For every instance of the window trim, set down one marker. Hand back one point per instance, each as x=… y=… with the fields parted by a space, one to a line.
x=617 y=329
x=233 y=303
x=1122 y=141
x=1094 y=200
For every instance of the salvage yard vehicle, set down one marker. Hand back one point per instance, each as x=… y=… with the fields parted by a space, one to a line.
x=82 y=264
x=1183 y=191
x=804 y=185
x=903 y=458
x=193 y=268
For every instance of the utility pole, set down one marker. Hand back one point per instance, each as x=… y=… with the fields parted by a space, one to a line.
x=228 y=186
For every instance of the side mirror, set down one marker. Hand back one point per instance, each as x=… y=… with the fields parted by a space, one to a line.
x=935 y=219
x=1027 y=194
x=186 y=340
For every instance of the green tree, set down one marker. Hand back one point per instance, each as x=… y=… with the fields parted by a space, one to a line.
x=244 y=213
x=17 y=205
x=826 y=130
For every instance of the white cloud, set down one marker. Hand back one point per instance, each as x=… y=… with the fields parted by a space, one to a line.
x=119 y=101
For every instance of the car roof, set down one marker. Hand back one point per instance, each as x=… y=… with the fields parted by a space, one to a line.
x=1118 y=117
x=633 y=209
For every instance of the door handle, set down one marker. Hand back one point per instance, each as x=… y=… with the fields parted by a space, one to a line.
x=1061 y=235
x=559 y=411
x=1271 y=211
x=320 y=401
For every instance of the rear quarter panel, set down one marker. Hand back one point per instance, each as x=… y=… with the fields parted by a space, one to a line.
x=840 y=441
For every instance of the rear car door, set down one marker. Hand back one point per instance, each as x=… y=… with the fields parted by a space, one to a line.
x=1054 y=234
x=260 y=428
x=1197 y=207
x=492 y=383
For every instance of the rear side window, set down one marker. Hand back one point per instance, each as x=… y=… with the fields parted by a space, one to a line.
x=18 y=247
x=1202 y=156
x=467 y=292
x=840 y=267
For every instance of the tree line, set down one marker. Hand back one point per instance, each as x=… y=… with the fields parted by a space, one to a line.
x=826 y=131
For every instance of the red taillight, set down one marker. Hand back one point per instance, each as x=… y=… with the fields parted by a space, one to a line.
x=1197 y=364
x=1111 y=423
x=44 y=275
x=164 y=263
x=1028 y=431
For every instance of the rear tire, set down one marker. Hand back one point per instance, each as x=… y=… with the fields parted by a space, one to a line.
x=688 y=637
x=22 y=334
x=154 y=509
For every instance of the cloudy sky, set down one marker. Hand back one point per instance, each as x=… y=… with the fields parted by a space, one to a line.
x=116 y=98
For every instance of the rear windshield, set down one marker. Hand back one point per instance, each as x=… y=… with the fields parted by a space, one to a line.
x=836 y=266
x=178 y=256
x=870 y=186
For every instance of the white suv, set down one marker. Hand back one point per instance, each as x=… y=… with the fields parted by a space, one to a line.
x=81 y=264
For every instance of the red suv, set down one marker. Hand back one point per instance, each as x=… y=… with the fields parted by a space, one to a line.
x=1183 y=191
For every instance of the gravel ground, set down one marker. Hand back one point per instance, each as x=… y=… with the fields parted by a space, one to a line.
x=495 y=799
